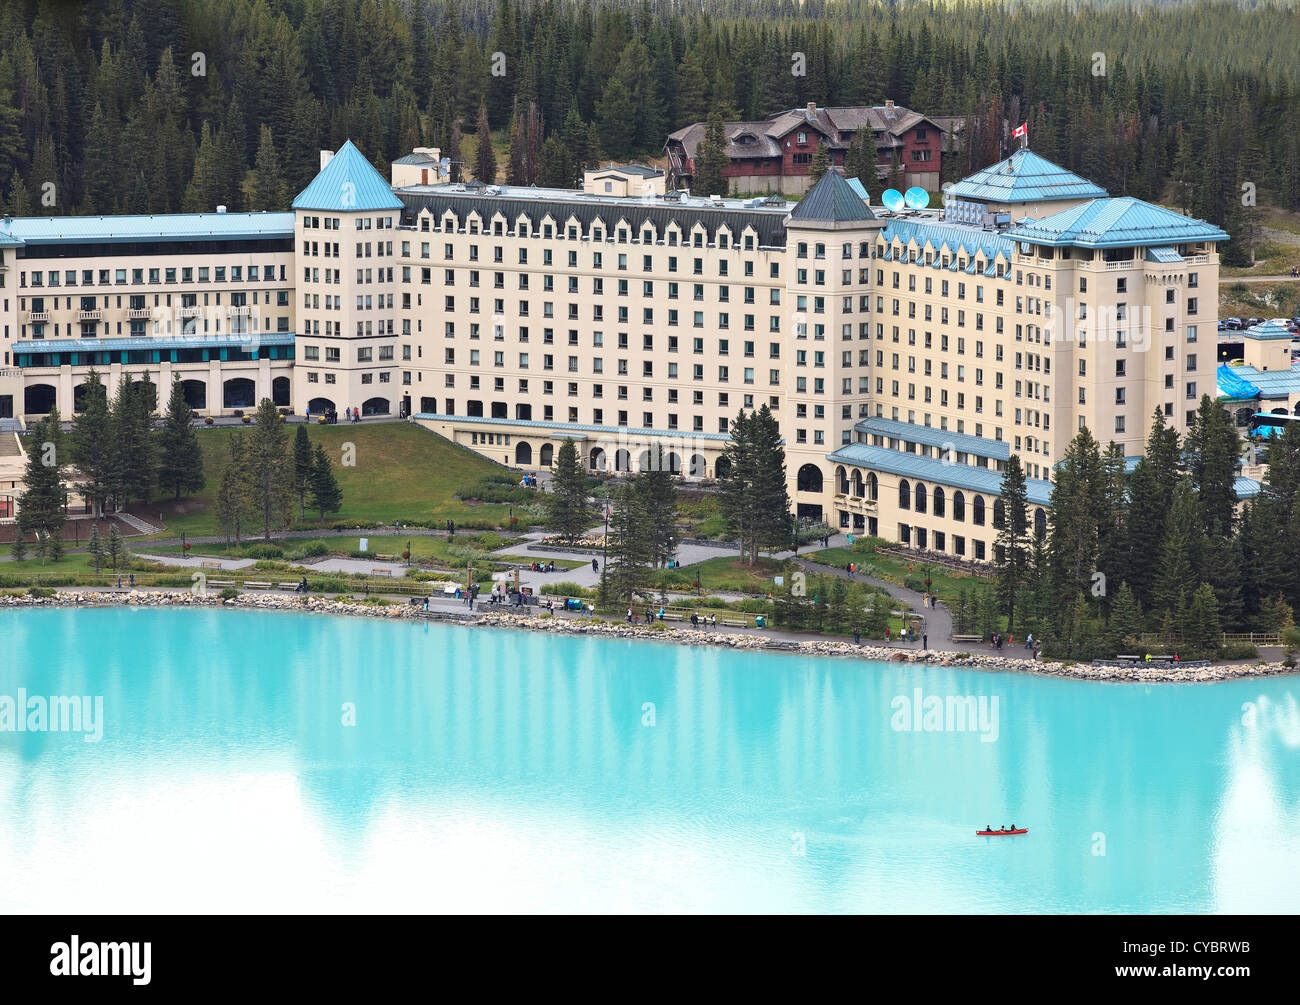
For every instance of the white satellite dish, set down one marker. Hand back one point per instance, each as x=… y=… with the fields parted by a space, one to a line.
x=916 y=198
x=893 y=199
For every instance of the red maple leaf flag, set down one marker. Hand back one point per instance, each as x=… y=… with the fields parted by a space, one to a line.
x=1021 y=130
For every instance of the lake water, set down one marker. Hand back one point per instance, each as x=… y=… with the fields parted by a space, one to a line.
x=514 y=771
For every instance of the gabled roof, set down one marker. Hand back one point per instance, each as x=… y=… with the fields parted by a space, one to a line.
x=347 y=184
x=831 y=200
x=163 y=227
x=1025 y=177
x=956 y=237
x=1116 y=223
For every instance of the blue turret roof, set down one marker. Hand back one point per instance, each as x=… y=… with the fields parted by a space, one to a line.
x=347 y=184
x=1116 y=223
x=1025 y=177
x=831 y=200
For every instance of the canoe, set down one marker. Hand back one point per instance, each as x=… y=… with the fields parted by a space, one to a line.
x=1022 y=830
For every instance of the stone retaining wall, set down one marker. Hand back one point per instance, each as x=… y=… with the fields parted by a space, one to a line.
x=593 y=626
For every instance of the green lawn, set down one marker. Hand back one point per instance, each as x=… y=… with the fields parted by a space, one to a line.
x=946 y=583
x=725 y=574
x=401 y=472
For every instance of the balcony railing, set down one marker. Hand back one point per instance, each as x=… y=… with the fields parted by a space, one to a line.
x=240 y=311
x=90 y=315
x=38 y=315
x=139 y=313
x=191 y=312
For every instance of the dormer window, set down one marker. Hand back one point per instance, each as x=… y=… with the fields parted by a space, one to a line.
x=802 y=138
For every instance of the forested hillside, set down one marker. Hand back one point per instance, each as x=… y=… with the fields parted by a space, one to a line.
x=164 y=105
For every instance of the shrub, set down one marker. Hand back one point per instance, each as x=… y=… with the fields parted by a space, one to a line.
x=565 y=589
x=1238 y=651
x=330 y=585
x=264 y=551
x=40 y=591
x=914 y=581
x=229 y=593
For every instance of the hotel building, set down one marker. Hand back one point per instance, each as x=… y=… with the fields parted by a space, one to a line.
x=905 y=354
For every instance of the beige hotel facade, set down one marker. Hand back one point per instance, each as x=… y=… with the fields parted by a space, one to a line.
x=905 y=354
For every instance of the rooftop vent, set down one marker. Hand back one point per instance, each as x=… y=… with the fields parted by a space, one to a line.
x=221 y=209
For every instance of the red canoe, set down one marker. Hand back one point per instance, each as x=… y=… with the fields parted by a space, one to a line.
x=1002 y=833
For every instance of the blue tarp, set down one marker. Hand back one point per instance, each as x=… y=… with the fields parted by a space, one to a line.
x=1233 y=386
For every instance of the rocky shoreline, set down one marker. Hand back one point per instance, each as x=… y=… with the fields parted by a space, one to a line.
x=607 y=629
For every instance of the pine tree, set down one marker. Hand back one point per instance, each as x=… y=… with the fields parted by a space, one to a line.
x=1212 y=449
x=821 y=163
x=656 y=491
x=1009 y=549
x=43 y=502
x=568 y=511
x=1125 y=619
x=326 y=496
x=616 y=115
x=1204 y=634
x=755 y=501
x=95 y=548
x=630 y=548
x=270 y=470
x=304 y=464
x=180 y=464
x=268 y=178
x=711 y=159
x=485 y=160
x=233 y=503
x=115 y=551
x=93 y=445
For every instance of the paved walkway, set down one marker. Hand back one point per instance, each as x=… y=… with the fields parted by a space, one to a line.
x=197 y=561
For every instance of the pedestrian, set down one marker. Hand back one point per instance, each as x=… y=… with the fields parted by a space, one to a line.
x=133 y=580
x=886 y=635
x=857 y=637
x=629 y=615
x=595 y=566
x=925 y=640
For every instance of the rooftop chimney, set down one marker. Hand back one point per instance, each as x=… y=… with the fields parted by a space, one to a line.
x=812 y=109
x=221 y=209
x=889 y=108
x=325 y=157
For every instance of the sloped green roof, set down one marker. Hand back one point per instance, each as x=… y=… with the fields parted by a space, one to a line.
x=831 y=200
x=348 y=183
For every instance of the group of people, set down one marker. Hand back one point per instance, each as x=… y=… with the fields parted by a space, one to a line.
x=708 y=620
x=332 y=417
x=546 y=566
x=529 y=481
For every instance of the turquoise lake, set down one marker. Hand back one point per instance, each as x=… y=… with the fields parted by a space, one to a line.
x=513 y=771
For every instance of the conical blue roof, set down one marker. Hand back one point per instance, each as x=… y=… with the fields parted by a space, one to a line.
x=348 y=183
x=1116 y=223
x=1025 y=177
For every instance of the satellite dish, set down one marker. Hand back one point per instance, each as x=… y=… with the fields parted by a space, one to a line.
x=893 y=199
x=916 y=198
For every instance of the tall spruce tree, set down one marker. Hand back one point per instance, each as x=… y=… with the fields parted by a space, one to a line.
x=656 y=491
x=304 y=463
x=93 y=445
x=1010 y=552
x=630 y=547
x=568 y=510
x=326 y=496
x=42 y=505
x=270 y=469
x=180 y=463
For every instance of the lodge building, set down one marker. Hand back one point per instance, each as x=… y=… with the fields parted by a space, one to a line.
x=905 y=354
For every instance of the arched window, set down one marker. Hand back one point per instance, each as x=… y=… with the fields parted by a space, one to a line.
x=873 y=487
x=919 y=502
x=977 y=511
x=958 y=507
x=937 y=502
x=858 y=487
x=841 y=481
x=1040 y=523
x=809 y=479
x=999 y=513
x=904 y=494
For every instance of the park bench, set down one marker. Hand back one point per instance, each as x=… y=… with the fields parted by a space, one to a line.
x=257 y=586
x=289 y=586
x=221 y=582
x=212 y=565
x=381 y=572
x=968 y=638
x=1129 y=659
x=670 y=616
x=734 y=623
x=385 y=558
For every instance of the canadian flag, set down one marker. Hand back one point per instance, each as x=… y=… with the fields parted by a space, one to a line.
x=1021 y=130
